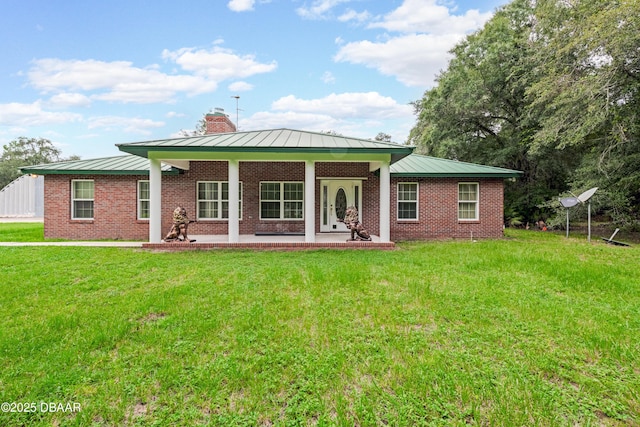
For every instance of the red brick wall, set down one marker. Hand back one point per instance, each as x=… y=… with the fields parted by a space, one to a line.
x=115 y=206
x=438 y=210
x=114 y=209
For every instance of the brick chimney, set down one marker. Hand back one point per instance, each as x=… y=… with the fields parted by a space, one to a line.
x=219 y=122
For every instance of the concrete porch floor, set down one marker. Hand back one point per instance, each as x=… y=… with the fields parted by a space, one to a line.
x=282 y=242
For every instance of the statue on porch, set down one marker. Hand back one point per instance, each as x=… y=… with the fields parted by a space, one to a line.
x=358 y=232
x=179 y=228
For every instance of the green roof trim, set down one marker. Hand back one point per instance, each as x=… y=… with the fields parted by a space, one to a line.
x=269 y=141
x=417 y=165
x=119 y=165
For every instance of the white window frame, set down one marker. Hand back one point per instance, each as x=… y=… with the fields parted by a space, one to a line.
x=416 y=201
x=219 y=201
x=73 y=199
x=476 y=202
x=281 y=201
x=140 y=200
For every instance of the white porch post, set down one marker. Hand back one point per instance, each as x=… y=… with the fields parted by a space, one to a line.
x=234 y=201
x=155 y=201
x=310 y=201
x=385 y=202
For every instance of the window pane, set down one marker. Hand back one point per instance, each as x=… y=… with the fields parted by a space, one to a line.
x=293 y=191
x=207 y=190
x=207 y=209
x=467 y=192
x=293 y=210
x=144 y=209
x=270 y=210
x=83 y=209
x=83 y=189
x=270 y=191
x=225 y=191
x=144 y=190
x=408 y=192
x=407 y=210
x=466 y=210
x=225 y=210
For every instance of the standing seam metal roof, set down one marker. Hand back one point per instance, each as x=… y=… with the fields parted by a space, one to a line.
x=417 y=165
x=265 y=140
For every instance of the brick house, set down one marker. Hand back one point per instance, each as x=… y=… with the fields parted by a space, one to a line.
x=277 y=181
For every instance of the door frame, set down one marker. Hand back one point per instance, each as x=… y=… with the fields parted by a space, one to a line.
x=328 y=189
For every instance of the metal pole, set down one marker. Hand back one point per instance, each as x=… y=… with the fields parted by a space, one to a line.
x=567 y=223
x=589 y=216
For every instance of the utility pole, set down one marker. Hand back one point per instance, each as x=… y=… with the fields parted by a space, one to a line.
x=237 y=97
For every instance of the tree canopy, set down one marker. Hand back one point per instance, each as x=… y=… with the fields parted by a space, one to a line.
x=26 y=152
x=551 y=88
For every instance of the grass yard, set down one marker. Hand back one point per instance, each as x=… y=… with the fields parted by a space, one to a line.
x=21 y=232
x=530 y=330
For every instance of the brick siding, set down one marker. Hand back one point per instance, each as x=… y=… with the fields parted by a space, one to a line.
x=115 y=205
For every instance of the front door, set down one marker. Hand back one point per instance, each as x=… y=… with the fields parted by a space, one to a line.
x=336 y=196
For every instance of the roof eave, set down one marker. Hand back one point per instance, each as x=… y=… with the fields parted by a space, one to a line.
x=455 y=175
x=171 y=172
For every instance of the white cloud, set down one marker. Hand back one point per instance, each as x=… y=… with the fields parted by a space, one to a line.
x=352 y=15
x=427 y=16
x=121 y=81
x=289 y=119
x=126 y=124
x=318 y=9
x=414 y=59
x=361 y=105
x=218 y=63
x=117 y=81
x=174 y=114
x=17 y=114
x=241 y=5
x=240 y=87
x=429 y=30
x=68 y=99
x=328 y=77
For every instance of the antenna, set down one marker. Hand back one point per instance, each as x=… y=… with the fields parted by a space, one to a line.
x=569 y=202
x=237 y=97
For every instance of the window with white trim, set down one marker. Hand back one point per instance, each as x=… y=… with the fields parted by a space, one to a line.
x=144 y=206
x=213 y=200
x=407 y=201
x=281 y=200
x=82 y=194
x=468 y=197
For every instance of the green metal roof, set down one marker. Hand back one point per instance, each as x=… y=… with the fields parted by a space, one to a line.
x=265 y=141
x=119 y=165
x=417 y=165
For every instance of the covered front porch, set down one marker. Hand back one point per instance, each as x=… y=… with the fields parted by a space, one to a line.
x=285 y=150
x=272 y=242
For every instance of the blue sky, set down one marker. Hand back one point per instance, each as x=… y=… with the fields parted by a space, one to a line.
x=88 y=74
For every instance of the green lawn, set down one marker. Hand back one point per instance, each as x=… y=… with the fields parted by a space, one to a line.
x=21 y=232
x=530 y=330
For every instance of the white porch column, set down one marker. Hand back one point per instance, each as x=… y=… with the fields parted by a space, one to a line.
x=385 y=202
x=234 y=201
x=155 y=201
x=310 y=201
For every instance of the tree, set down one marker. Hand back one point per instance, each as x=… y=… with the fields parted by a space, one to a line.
x=587 y=97
x=200 y=129
x=477 y=111
x=383 y=137
x=548 y=87
x=25 y=152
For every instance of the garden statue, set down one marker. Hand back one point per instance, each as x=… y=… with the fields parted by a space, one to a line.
x=179 y=228
x=358 y=232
